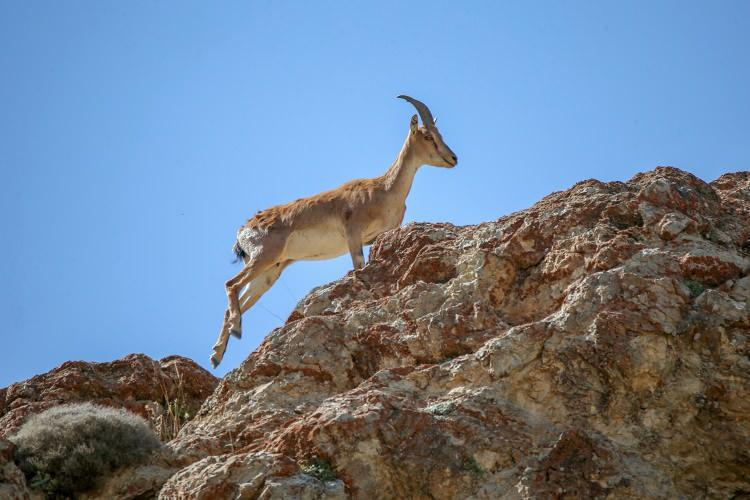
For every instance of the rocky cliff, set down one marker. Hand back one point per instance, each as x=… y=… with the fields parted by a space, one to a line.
x=595 y=345
x=149 y=388
x=165 y=392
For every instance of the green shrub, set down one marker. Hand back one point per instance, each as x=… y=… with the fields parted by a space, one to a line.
x=696 y=288
x=69 y=448
x=320 y=469
x=470 y=464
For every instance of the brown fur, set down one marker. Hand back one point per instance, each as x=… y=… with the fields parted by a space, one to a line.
x=353 y=192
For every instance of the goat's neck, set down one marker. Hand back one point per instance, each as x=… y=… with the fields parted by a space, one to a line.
x=399 y=178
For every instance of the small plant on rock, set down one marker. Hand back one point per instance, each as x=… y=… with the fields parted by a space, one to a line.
x=320 y=469
x=696 y=288
x=175 y=411
x=68 y=449
x=470 y=465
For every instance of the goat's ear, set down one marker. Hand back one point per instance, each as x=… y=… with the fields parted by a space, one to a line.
x=413 y=124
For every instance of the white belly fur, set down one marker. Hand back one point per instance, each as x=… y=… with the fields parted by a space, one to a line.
x=316 y=244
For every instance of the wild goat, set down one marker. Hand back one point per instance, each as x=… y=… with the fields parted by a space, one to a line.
x=328 y=224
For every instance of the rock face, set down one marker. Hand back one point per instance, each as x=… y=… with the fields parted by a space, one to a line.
x=12 y=481
x=595 y=345
x=142 y=385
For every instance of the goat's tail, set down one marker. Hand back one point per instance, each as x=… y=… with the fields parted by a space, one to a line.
x=238 y=252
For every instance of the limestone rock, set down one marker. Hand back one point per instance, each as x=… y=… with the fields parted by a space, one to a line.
x=594 y=345
x=137 y=482
x=249 y=475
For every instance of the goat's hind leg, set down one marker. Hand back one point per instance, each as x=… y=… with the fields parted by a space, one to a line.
x=217 y=352
x=261 y=285
x=255 y=291
x=251 y=273
x=233 y=314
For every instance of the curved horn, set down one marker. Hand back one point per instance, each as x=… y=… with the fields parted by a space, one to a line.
x=424 y=111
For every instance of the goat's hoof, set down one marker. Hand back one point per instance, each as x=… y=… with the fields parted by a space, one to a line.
x=236 y=332
x=357 y=273
x=214 y=362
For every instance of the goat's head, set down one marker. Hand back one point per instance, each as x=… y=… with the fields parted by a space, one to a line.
x=426 y=140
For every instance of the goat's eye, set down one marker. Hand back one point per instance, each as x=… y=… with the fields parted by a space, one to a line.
x=429 y=138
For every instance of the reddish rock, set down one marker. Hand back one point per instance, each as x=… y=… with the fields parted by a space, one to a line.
x=594 y=345
x=135 y=382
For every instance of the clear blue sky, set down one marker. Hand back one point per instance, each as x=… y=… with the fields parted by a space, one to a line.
x=136 y=137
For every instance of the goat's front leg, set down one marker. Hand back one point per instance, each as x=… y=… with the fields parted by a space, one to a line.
x=354 y=241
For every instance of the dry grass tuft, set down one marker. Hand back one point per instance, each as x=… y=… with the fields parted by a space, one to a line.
x=68 y=449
